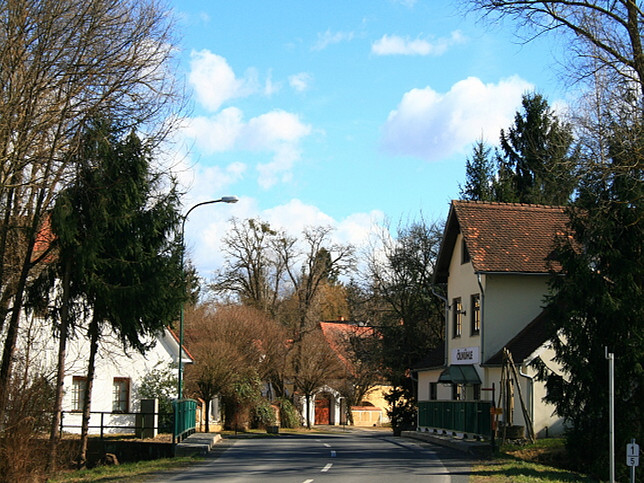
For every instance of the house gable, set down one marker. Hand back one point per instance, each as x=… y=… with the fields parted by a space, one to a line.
x=502 y=237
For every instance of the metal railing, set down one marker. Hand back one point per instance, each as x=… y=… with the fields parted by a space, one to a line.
x=185 y=419
x=468 y=417
x=125 y=422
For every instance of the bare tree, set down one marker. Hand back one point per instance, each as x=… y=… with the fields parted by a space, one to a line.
x=232 y=346
x=606 y=34
x=309 y=266
x=252 y=271
x=62 y=63
x=313 y=364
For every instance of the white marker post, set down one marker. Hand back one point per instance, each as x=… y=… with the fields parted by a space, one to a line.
x=633 y=457
x=611 y=412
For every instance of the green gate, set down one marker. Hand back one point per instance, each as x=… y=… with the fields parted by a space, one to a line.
x=469 y=417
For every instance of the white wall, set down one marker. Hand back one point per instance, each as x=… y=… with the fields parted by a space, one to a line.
x=112 y=361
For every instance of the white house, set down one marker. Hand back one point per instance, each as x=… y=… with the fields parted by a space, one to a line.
x=117 y=378
x=494 y=260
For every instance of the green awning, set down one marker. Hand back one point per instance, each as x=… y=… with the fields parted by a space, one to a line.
x=460 y=374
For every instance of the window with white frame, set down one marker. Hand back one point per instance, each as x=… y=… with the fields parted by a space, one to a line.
x=475 y=314
x=121 y=395
x=457 y=317
x=79 y=387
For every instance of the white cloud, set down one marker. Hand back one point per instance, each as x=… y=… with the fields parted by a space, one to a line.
x=277 y=132
x=406 y=3
x=434 y=126
x=330 y=38
x=300 y=82
x=395 y=45
x=215 y=82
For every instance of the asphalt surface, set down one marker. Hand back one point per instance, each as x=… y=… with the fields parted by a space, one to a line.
x=344 y=456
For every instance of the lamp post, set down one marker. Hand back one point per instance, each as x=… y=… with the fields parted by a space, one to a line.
x=223 y=199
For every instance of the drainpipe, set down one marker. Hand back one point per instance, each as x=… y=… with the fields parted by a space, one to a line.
x=478 y=279
x=446 y=317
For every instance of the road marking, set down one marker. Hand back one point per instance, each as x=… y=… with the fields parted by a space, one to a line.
x=327 y=445
x=327 y=467
x=309 y=481
x=332 y=454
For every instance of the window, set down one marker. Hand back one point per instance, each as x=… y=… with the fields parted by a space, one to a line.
x=465 y=254
x=433 y=391
x=457 y=317
x=121 y=395
x=477 y=392
x=475 y=314
x=79 y=387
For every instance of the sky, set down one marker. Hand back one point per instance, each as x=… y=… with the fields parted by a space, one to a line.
x=339 y=113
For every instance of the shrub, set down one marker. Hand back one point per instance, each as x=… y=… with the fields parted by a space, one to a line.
x=289 y=415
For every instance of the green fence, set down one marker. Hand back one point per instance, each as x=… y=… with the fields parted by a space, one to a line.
x=469 y=417
x=185 y=418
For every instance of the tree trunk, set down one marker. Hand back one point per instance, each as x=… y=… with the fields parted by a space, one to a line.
x=14 y=325
x=54 y=435
x=94 y=330
x=206 y=411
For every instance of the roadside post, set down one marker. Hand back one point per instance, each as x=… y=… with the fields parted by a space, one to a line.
x=632 y=457
x=611 y=412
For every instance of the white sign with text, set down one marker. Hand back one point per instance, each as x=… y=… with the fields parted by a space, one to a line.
x=466 y=355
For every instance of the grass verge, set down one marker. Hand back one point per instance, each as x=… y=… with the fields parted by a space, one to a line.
x=543 y=461
x=130 y=472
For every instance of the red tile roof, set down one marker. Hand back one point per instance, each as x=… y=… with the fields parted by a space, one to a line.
x=337 y=335
x=503 y=237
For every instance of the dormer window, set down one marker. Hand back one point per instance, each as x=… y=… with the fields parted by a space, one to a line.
x=465 y=254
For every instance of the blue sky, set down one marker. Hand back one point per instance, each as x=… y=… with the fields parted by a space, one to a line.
x=341 y=113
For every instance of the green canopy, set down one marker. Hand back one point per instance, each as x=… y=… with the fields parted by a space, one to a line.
x=460 y=374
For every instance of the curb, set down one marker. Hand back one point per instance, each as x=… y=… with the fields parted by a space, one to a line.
x=473 y=448
x=197 y=443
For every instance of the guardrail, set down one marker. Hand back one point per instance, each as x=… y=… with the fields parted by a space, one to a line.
x=185 y=419
x=468 y=417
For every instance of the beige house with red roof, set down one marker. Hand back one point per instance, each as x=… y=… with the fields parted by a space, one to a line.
x=494 y=260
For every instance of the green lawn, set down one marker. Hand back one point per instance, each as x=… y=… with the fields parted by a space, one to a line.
x=130 y=472
x=539 y=462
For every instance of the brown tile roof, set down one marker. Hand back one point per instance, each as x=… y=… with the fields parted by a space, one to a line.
x=503 y=237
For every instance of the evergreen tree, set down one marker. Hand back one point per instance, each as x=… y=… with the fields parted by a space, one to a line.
x=536 y=161
x=479 y=174
x=115 y=229
x=599 y=304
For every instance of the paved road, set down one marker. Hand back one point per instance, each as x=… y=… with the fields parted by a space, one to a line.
x=366 y=456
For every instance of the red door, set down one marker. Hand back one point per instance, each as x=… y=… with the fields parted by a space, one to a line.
x=322 y=405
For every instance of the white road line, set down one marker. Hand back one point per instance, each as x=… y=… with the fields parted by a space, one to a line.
x=327 y=445
x=332 y=454
x=327 y=467
x=308 y=481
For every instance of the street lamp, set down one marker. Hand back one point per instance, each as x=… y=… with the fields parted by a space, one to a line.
x=223 y=199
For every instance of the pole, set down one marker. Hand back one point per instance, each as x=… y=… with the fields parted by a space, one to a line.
x=611 y=413
x=224 y=199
